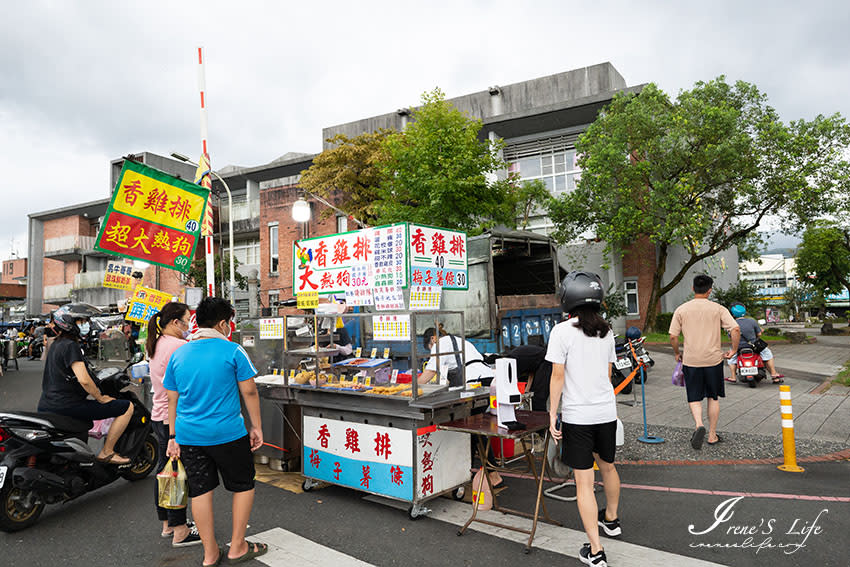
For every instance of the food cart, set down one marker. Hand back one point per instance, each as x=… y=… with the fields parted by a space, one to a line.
x=374 y=431
x=365 y=423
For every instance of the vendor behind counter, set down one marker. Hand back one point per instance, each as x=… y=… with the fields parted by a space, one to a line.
x=476 y=369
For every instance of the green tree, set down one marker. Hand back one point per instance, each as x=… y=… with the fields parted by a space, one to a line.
x=197 y=275
x=437 y=171
x=530 y=196
x=823 y=257
x=701 y=172
x=352 y=169
x=744 y=292
x=798 y=298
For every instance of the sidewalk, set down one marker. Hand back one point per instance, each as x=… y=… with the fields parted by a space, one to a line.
x=750 y=422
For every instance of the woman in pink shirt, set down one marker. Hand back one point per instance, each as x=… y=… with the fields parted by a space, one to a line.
x=167 y=331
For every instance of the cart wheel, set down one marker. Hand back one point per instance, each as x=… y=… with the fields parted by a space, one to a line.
x=413 y=513
x=459 y=533
x=307 y=485
x=458 y=493
x=526 y=550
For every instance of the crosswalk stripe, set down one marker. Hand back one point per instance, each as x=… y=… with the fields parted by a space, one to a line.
x=287 y=549
x=565 y=541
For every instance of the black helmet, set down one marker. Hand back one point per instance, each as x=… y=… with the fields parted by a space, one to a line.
x=79 y=310
x=580 y=288
x=66 y=323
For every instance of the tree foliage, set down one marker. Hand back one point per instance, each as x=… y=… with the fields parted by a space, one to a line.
x=823 y=257
x=530 y=196
x=197 y=274
x=798 y=298
x=350 y=169
x=744 y=292
x=701 y=172
x=437 y=171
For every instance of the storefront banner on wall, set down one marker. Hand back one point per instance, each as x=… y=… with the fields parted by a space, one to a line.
x=145 y=303
x=118 y=275
x=438 y=257
x=153 y=217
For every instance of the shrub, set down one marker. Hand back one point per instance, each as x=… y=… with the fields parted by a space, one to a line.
x=662 y=322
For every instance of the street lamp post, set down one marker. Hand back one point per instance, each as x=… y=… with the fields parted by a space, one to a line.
x=185 y=159
x=301 y=209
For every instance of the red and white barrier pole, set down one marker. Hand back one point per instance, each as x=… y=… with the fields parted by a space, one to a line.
x=206 y=230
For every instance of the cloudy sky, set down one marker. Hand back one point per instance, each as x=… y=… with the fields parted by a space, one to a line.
x=82 y=83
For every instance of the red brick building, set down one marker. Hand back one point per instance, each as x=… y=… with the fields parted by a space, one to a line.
x=14 y=271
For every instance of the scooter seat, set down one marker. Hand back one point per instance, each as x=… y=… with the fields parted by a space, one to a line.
x=60 y=422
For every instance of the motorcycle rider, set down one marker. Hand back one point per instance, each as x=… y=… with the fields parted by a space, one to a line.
x=67 y=383
x=750 y=331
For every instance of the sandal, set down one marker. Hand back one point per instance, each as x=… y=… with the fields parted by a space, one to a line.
x=778 y=379
x=222 y=553
x=719 y=439
x=254 y=550
x=731 y=379
x=697 y=437
x=111 y=459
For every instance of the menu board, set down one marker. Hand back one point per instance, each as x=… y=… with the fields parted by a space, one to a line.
x=391 y=327
x=423 y=297
x=389 y=298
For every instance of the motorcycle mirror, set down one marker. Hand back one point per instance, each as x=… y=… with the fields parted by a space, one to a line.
x=136 y=358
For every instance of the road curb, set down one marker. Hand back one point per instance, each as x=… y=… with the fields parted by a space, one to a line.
x=843 y=455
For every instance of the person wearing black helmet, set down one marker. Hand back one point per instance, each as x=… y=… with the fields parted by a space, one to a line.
x=67 y=384
x=581 y=350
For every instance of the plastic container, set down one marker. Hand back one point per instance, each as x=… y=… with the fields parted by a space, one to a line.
x=140 y=370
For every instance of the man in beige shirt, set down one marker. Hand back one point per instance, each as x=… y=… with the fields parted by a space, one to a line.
x=700 y=321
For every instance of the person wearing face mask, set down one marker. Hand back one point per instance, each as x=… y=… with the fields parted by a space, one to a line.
x=167 y=331
x=205 y=380
x=66 y=385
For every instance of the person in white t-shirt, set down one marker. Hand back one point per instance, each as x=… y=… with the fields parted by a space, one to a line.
x=476 y=369
x=581 y=350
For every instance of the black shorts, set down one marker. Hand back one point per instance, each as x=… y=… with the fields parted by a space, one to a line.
x=581 y=441
x=704 y=382
x=234 y=461
x=90 y=409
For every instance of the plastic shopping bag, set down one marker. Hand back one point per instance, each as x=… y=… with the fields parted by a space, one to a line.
x=173 y=493
x=100 y=427
x=678 y=375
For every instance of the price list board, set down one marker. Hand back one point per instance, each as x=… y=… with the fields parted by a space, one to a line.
x=391 y=327
x=390 y=260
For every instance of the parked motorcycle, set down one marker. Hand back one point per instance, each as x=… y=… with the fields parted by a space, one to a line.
x=750 y=366
x=45 y=459
x=623 y=365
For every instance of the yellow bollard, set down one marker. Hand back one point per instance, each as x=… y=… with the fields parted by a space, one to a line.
x=789 y=449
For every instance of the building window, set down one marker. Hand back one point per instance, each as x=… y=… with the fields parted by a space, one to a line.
x=632 y=305
x=274 y=258
x=246 y=252
x=274 y=298
x=341 y=224
x=558 y=170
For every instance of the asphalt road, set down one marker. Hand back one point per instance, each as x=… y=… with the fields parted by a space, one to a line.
x=117 y=525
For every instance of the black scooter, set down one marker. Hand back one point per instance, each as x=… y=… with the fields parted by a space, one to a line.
x=45 y=458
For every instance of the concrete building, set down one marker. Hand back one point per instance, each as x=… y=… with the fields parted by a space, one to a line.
x=14 y=271
x=63 y=264
x=540 y=121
